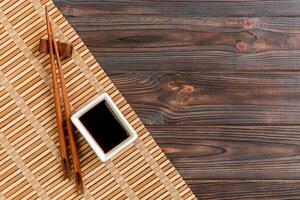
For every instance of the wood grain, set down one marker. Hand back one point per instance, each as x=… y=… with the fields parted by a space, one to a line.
x=232 y=152
x=190 y=7
x=194 y=98
x=191 y=43
x=245 y=189
x=234 y=162
x=215 y=82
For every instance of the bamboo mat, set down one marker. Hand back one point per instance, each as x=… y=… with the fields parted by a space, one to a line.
x=29 y=155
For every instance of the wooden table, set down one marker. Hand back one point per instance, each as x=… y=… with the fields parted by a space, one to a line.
x=216 y=83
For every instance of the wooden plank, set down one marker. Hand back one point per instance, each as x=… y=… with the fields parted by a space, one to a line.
x=195 y=98
x=236 y=190
x=131 y=33
x=131 y=42
x=232 y=152
x=276 y=60
x=191 y=7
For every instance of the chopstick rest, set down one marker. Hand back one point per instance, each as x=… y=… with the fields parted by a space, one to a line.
x=65 y=49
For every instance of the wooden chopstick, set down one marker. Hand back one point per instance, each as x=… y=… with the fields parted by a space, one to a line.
x=74 y=150
x=53 y=47
x=59 y=117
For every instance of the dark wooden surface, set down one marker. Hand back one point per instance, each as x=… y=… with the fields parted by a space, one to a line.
x=217 y=83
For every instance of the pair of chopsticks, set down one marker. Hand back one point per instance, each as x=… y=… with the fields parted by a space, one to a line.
x=54 y=55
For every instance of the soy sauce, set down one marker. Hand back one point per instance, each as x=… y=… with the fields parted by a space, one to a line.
x=104 y=127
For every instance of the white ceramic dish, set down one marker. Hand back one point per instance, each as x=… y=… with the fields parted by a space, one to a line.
x=118 y=115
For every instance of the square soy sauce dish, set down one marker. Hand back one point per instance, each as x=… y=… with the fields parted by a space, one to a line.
x=104 y=127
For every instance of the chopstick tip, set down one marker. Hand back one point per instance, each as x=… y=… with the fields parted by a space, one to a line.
x=78 y=182
x=66 y=168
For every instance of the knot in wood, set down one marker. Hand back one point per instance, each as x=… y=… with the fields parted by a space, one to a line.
x=249 y=24
x=241 y=46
